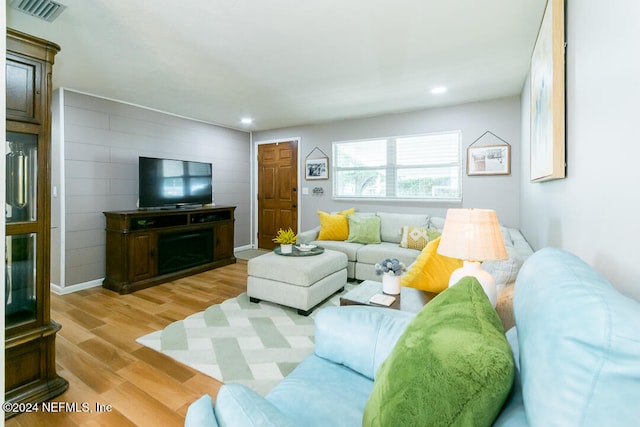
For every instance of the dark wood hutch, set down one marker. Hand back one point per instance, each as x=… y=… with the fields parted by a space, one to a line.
x=30 y=368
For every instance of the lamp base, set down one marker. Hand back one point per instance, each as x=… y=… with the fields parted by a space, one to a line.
x=473 y=268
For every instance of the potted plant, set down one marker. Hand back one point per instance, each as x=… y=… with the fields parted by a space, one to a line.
x=286 y=238
x=391 y=269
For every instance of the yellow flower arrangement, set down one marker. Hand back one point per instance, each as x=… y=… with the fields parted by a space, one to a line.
x=285 y=237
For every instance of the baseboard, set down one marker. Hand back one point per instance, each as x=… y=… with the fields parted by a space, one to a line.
x=64 y=290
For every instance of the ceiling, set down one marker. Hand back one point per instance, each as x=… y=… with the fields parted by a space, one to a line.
x=290 y=62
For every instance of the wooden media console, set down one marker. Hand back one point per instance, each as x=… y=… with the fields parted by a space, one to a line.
x=149 y=247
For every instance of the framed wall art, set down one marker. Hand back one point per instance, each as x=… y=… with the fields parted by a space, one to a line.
x=548 y=96
x=317 y=167
x=489 y=160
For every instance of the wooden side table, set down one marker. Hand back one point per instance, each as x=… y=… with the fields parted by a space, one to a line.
x=410 y=299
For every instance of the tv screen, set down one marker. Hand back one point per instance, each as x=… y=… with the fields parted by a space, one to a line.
x=167 y=182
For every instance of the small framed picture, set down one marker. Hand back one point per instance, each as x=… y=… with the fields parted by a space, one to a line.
x=489 y=160
x=317 y=168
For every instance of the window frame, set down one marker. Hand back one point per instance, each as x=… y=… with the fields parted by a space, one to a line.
x=391 y=168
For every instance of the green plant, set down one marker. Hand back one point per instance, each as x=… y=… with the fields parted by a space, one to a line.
x=285 y=237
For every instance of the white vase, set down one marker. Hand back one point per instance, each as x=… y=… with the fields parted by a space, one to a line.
x=390 y=284
x=286 y=249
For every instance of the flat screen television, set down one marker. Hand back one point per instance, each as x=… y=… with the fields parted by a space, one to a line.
x=165 y=183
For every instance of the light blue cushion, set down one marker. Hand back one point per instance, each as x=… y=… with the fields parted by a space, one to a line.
x=513 y=413
x=579 y=342
x=237 y=405
x=320 y=393
x=200 y=413
x=359 y=337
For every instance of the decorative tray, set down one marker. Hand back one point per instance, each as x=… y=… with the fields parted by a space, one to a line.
x=298 y=253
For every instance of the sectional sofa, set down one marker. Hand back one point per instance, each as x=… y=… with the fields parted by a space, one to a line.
x=362 y=257
x=571 y=360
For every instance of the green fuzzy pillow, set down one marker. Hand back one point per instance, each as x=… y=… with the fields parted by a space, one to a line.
x=451 y=367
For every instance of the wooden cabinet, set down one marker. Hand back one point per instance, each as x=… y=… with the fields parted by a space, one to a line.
x=142 y=263
x=223 y=246
x=145 y=248
x=30 y=369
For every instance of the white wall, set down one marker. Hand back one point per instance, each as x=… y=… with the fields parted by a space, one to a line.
x=96 y=144
x=594 y=212
x=500 y=116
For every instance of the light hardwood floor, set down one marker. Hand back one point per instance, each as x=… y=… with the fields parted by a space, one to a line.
x=97 y=353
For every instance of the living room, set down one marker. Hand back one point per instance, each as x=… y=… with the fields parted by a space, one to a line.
x=590 y=213
x=556 y=213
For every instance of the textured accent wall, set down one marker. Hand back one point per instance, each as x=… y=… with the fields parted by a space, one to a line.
x=96 y=147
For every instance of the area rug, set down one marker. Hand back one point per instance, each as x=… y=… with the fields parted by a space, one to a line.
x=239 y=341
x=248 y=254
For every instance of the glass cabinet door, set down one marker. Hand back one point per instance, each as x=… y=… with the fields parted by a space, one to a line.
x=22 y=174
x=21 y=228
x=20 y=279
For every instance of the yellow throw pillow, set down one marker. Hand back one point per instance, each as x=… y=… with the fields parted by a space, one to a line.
x=431 y=271
x=334 y=226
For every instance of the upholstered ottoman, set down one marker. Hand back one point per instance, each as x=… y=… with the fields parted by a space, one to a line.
x=298 y=282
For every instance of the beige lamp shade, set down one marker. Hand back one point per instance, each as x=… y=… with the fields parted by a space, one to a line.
x=472 y=235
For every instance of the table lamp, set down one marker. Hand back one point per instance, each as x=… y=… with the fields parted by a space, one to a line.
x=473 y=235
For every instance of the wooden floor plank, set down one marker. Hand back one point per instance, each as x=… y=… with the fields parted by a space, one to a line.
x=141 y=408
x=71 y=330
x=90 y=370
x=97 y=353
x=107 y=353
x=180 y=372
x=170 y=392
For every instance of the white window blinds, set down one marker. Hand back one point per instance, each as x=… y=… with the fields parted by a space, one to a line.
x=419 y=167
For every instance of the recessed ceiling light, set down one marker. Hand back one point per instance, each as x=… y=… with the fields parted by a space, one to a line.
x=438 y=90
x=246 y=120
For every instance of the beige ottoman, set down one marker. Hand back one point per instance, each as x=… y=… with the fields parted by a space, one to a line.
x=298 y=282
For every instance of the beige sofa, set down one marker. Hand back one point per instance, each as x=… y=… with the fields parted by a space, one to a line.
x=361 y=258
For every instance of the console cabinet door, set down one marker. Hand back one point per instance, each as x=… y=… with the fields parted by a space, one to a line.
x=142 y=256
x=223 y=240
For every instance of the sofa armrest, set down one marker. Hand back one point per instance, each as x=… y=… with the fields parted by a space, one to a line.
x=200 y=413
x=359 y=337
x=308 y=236
x=237 y=405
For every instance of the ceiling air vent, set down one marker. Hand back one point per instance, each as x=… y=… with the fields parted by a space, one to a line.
x=46 y=10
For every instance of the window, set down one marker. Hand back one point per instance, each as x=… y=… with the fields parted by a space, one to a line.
x=422 y=167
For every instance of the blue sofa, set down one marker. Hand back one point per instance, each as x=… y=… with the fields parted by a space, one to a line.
x=576 y=348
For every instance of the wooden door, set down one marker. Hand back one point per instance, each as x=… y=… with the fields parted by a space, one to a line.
x=277 y=190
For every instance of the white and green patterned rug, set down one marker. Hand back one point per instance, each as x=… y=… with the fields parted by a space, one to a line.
x=239 y=341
